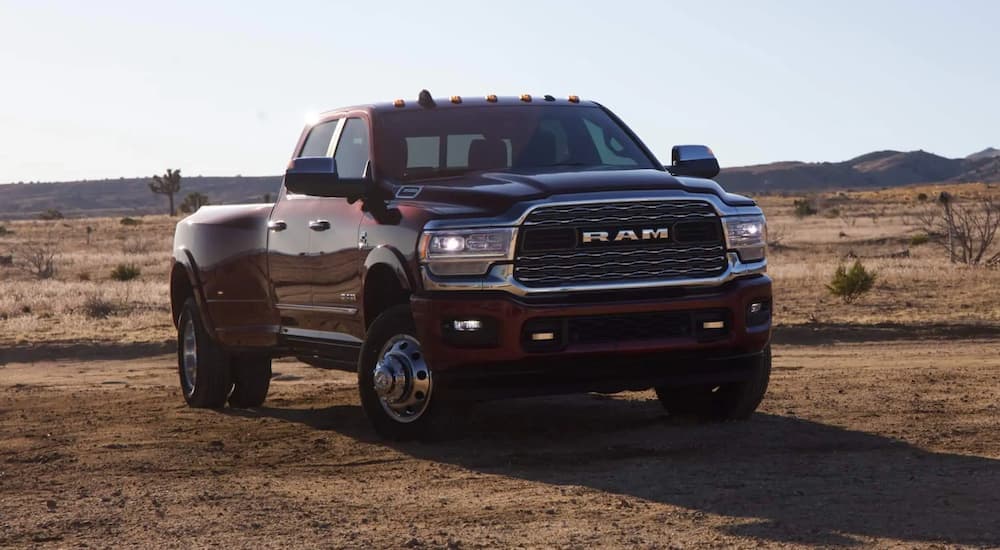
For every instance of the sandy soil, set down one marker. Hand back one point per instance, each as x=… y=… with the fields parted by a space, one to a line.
x=888 y=443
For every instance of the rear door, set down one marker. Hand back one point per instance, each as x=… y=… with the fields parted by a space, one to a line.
x=336 y=245
x=290 y=264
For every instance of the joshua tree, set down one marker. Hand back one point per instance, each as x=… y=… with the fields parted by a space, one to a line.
x=168 y=184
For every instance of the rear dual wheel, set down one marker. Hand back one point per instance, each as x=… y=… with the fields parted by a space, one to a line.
x=208 y=375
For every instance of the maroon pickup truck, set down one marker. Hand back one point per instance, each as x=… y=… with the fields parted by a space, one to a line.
x=470 y=248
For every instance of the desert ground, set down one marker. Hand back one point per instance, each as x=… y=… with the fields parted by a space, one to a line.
x=879 y=427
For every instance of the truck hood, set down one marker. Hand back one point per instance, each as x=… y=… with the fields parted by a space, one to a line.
x=495 y=192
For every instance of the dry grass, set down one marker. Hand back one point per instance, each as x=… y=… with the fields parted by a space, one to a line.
x=923 y=288
x=920 y=289
x=62 y=308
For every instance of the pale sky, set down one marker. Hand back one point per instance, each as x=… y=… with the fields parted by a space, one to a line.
x=102 y=89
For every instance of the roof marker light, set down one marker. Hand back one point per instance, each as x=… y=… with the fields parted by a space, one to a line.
x=456 y=99
x=574 y=99
x=492 y=98
x=399 y=103
x=526 y=98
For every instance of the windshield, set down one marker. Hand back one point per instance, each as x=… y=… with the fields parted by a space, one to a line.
x=434 y=143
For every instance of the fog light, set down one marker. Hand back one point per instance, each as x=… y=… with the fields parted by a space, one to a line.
x=466 y=325
x=758 y=313
x=543 y=336
x=713 y=325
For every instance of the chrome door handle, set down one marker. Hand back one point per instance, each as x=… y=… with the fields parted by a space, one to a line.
x=277 y=225
x=319 y=225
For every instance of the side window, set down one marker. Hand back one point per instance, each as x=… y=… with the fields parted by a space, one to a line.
x=352 y=149
x=318 y=142
x=422 y=152
x=608 y=148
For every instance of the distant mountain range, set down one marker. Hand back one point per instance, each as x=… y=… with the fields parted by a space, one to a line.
x=878 y=169
x=131 y=196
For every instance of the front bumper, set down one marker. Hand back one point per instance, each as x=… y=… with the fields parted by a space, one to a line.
x=508 y=352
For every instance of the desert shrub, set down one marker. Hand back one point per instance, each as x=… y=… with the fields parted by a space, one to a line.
x=83 y=277
x=96 y=306
x=37 y=259
x=920 y=239
x=832 y=213
x=192 y=202
x=922 y=197
x=125 y=272
x=5 y=231
x=135 y=246
x=968 y=229
x=851 y=284
x=51 y=214
x=129 y=221
x=804 y=207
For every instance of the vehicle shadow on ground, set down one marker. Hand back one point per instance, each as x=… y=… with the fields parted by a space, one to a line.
x=792 y=480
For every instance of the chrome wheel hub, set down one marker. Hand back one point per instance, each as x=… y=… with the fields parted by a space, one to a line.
x=189 y=358
x=402 y=380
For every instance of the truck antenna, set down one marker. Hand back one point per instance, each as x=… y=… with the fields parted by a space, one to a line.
x=425 y=99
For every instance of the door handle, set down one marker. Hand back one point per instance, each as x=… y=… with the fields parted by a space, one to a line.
x=277 y=225
x=319 y=225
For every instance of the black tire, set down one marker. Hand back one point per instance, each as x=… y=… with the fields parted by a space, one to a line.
x=208 y=383
x=396 y=325
x=736 y=401
x=251 y=379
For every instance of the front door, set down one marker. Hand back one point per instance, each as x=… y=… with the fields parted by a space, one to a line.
x=290 y=264
x=335 y=244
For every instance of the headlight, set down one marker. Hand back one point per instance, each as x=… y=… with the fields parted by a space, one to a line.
x=747 y=235
x=466 y=252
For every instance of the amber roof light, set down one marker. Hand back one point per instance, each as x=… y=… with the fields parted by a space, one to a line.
x=526 y=97
x=456 y=99
x=399 y=103
x=492 y=98
x=574 y=99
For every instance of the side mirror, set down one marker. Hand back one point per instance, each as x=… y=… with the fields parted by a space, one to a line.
x=693 y=160
x=317 y=176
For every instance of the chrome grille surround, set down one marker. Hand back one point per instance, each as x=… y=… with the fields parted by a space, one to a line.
x=620 y=212
x=501 y=275
x=623 y=262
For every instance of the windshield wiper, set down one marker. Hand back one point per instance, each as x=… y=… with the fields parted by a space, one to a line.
x=561 y=164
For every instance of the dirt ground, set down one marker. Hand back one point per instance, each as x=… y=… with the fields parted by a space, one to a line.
x=868 y=441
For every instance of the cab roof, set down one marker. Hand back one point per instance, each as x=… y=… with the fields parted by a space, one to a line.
x=458 y=102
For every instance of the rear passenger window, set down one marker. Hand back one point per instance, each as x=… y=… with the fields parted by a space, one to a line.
x=422 y=152
x=352 y=149
x=318 y=142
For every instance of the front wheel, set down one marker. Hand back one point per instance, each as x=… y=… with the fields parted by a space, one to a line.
x=394 y=379
x=734 y=401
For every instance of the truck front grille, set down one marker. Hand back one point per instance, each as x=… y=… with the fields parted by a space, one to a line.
x=627 y=243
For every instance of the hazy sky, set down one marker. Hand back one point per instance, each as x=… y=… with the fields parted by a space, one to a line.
x=107 y=89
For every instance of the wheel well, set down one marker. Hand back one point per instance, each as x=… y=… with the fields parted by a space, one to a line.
x=180 y=290
x=382 y=291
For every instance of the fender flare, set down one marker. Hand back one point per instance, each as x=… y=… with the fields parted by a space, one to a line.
x=391 y=258
x=185 y=259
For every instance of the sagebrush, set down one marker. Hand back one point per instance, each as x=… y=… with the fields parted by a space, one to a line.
x=851 y=284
